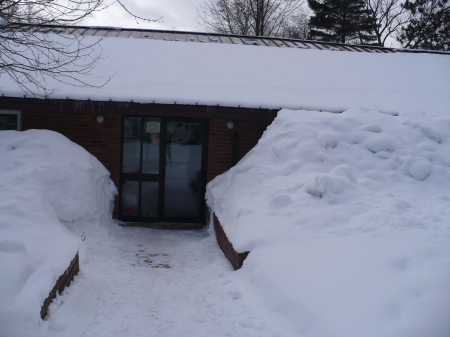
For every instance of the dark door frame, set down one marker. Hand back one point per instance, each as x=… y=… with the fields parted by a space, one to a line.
x=160 y=177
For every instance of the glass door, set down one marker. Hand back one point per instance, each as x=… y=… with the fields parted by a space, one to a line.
x=183 y=187
x=163 y=170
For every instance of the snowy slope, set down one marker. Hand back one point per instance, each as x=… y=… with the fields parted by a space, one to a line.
x=346 y=217
x=45 y=179
x=255 y=76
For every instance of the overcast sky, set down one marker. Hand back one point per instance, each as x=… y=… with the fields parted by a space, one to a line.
x=176 y=14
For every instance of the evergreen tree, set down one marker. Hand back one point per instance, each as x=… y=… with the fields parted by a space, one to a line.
x=345 y=21
x=429 y=25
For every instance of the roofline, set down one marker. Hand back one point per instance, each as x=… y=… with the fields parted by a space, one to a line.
x=58 y=105
x=251 y=39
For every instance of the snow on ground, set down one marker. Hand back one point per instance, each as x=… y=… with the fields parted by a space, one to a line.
x=143 y=282
x=133 y=281
x=256 y=76
x=45 y=179
x=346 y=217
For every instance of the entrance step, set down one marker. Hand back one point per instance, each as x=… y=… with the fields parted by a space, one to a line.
x=164 y=225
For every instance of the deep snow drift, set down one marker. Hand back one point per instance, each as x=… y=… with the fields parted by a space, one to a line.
x=133 y=281
x=346 y=217
x=45 y=179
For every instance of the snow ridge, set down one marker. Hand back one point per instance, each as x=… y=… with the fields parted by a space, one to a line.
x=346 y=220
x=45 y=179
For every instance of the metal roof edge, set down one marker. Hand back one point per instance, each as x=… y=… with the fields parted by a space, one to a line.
x=287 y=42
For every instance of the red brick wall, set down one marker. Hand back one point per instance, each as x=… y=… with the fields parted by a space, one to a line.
x=236 y=259
x=102 y=140
x=221 y=143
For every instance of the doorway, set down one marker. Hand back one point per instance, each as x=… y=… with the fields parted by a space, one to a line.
x=163 y=172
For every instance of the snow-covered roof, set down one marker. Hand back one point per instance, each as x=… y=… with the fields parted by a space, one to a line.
x=161 y=68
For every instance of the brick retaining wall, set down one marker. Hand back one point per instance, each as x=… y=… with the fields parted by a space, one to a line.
x=63 y=282
x=236 y=259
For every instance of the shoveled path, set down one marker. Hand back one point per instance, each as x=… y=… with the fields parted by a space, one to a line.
x=144 y=282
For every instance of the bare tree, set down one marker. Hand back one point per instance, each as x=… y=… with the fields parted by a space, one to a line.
x=297 y=27
x=226 y=17
x=33 y=49
x=389 y=15
x=249 y=17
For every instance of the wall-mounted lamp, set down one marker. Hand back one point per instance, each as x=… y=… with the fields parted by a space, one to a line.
x=100 y=119
x=230 y=124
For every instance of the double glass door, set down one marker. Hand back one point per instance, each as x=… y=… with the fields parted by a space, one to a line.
x=163 y=169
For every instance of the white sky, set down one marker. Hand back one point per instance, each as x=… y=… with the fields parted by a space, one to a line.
x=176 y=14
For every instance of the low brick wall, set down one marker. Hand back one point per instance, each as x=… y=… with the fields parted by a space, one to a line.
x=236 y=259
x=63 y=281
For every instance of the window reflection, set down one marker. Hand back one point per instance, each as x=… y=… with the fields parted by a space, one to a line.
x=181 y=195
x=8 y=121
x=132 y=145
x=151 y=141
x=183 y=170
x=149 y=199
x=130 y=200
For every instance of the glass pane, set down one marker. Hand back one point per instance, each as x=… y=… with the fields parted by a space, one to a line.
x=8 y=122
x=131 y=145
x=183 y=170
x=130 y=198
x=150 y=151
x=149 y=199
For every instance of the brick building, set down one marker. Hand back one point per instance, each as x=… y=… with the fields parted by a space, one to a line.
x=206 y=146
x=179 y=114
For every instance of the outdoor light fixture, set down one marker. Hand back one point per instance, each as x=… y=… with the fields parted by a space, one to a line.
x=100 y=119
x=230 y=124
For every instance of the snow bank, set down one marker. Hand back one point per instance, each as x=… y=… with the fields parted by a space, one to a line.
x=256 y=76
x=45 y=179
x=347 y=220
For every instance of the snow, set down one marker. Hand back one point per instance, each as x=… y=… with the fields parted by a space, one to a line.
x=147 y=70
x=346 y=220
x=345 y=217
x=144 y=282
x=45 y=180
x=133 y=281
x=345 y=214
